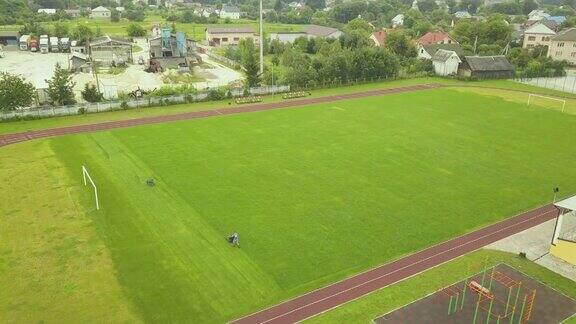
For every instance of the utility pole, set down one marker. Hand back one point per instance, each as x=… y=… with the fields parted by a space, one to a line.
x=261 y=41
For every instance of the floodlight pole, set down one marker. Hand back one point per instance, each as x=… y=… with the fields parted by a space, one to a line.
x=261 y=41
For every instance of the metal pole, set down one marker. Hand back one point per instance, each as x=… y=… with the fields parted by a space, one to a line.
x=489 y=311
x=522 y=310
x=261 y=41
x=508 y=300
x=515 y=303
x=456 y=303
x=477 y=306
x=464 y=293
x=450 y=306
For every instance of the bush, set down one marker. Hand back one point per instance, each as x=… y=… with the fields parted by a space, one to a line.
x=124 y=105
x=82 y=111
x=216 y=94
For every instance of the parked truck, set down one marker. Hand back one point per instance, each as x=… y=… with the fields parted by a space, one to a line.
x=24 y=39
x=33 y=44
x=65 y=44
x=44 y=44
x=54 y=44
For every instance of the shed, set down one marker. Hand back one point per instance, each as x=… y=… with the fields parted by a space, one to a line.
x=445 y=62
x=486 y=67
x=9 y=38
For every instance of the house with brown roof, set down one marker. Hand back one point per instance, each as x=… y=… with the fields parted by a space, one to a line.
x=436 y=38
x=217 y=36
x=563 y=46
x=379 y=37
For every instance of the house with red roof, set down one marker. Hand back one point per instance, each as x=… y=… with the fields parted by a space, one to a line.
x=379 y=37
x=436 y=38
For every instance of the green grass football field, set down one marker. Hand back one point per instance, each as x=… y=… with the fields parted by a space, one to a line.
x=317 y=194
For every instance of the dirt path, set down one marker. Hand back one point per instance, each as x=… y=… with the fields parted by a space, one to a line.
x=336 y=294
x=8 y=139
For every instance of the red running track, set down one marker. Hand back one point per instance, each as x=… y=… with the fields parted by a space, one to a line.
x=8 y=139
x=336 y=294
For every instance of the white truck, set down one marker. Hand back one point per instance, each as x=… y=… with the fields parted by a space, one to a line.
x=65 y=44
x=44 y=44
x=23 y=43
x=54 y=44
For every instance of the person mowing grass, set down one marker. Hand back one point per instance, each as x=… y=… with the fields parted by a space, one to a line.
x=234 y=239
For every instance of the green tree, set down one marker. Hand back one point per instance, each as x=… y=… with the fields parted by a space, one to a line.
x=427 y=5
x=316 y=4
x=358 y=25
x=278 y=5
x=528 y=6
x=249 y=59
x=15 y=92
x=135 y=30
x=82 y=33
x=60 y=30
x=61 y=87
x=91 y=93
x=135 y=15
x=114 y=15
x=399 y=44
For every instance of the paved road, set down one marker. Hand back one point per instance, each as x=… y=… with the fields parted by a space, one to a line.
x=7 y=139
x=336 y=294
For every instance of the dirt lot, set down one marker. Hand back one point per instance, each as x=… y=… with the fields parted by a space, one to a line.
x=549 y=306
x=36 y=68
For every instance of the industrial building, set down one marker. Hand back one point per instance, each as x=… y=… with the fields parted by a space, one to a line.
x=172 y=51
x=110 y=51
x=9 y=39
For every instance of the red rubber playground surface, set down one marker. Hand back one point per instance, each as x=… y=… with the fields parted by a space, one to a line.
x=8 y=139
x=336 y=294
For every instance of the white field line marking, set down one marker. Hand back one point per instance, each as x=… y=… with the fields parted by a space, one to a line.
x=407 y=266
x=389 y=262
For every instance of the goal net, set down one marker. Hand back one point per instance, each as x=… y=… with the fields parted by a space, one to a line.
x=547 y=102
x=87 y=176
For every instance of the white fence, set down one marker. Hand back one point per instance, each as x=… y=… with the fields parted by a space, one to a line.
x=564 y=84
x=140 y=103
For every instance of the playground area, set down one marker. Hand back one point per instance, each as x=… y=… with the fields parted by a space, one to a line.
x=496 y=295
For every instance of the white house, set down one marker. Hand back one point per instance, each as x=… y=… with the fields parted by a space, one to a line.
x=100 y=13
x=230 y=12
x=538 y=15
x=463 y=14
x=398 y=21
x=47 y=11
x=446 y=62
x=537 y=34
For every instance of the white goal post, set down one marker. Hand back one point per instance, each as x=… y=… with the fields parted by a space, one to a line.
x=545 y=97
x=85 y=175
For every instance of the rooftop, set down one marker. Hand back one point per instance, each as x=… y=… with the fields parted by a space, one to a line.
x=433 y=37
x=488 y=63
x=230 y=30
x=319 y=31
x=566 y=35
x=443 y=55
x=433 y=48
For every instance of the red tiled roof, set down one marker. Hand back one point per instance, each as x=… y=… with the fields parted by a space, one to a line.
x=433 y=38
x=380 y=36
